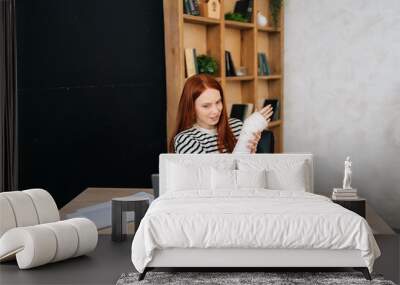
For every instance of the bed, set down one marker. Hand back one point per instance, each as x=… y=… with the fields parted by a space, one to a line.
x=257 y=210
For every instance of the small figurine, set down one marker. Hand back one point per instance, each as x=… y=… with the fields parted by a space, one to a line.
x=347 y=174
x=261 y=19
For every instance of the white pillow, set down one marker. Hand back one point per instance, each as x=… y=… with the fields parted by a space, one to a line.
x=223 y=179
x=251 y=178
x=281 y=175
x=182 y=177
x=288 y=178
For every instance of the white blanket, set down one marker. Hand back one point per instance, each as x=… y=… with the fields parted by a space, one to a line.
x=253 y=218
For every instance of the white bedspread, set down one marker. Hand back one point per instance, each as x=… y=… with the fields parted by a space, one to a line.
x=252 y=218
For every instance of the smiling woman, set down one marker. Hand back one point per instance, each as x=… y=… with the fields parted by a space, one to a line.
x=202 y=122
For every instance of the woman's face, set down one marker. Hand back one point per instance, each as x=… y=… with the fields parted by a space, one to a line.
x=208 y=108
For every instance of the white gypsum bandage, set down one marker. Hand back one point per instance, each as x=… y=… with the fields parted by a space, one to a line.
x=255 y=123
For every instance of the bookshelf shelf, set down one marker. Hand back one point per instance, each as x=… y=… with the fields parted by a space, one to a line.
x=200 y=20
x=269 y=29
x=270 y=77
x=238 y=25
x=239 y=78
x=243 y=41
x=274 y=124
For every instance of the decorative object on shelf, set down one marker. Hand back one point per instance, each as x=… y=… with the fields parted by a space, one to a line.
x=229 y=66
x=235 y=17
x=207 y=64
x=344 y=194
x=347 y=174
x=210 y=8
x=261 y=19
x=275 y=108
x=263 y=66
x=347 y=192
x=191 y=7
x=244 y=8
x=275 y=9
x=191 y=62
x=241 y=71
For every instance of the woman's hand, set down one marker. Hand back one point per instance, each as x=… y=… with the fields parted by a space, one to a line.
x=254 y=142
x=266 y=112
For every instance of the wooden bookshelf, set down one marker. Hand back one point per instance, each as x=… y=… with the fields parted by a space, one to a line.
x=213 y=37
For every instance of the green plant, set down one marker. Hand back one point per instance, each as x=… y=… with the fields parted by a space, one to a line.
x=275 y=9
x=207 y=64
x=235 y=17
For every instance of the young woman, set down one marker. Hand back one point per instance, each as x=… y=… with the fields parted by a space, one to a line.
x=202 y=122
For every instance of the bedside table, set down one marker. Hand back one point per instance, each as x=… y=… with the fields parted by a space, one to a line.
x=355 y=205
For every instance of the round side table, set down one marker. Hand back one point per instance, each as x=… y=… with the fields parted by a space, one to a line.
x=122 y=205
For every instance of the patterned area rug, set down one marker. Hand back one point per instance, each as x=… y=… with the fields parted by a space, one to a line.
x=229 y=278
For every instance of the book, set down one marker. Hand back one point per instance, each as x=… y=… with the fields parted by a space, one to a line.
x=336 y=197
x=345 y=194
x=186 y=7
x=249 y=11
x=229 y=66
x=267 y=70
x=191 y=62
x=244 y=8
x=195 y=7
x=275 y=108
x=262 y=64
x=341 y=190
x=241 y=111
x=259 y=68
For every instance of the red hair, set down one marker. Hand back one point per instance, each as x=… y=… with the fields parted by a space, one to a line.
x=186 y=117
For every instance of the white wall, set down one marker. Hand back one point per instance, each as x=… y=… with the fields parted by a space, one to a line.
x=342 y=94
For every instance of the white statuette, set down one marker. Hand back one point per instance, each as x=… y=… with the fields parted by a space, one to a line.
x=347 y=174
x=254 y=123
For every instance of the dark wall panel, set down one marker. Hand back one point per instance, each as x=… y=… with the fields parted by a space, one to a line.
x=91 y=94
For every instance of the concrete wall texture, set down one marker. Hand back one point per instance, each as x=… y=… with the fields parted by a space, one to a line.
x=342 y=94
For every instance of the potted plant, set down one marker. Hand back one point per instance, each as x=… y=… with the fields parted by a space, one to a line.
x=275 y=9
x=207 y=64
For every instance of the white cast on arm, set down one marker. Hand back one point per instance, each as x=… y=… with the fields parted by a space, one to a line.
x=255 y=123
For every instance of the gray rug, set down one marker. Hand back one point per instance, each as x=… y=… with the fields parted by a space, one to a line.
x=228 y=278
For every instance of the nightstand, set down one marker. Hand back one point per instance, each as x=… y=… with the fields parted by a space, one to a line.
x=355 y=205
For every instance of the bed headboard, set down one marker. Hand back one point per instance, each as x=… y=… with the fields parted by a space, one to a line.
x=211 y=159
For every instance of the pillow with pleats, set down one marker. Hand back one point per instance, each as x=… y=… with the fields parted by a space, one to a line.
x=280 y=175
x=225 y=179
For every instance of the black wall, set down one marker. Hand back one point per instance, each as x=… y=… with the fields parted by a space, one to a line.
x=91 y=94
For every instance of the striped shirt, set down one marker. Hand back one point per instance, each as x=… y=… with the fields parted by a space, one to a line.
x=200 y=140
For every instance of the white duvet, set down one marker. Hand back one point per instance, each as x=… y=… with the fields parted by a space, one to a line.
x=253 y=218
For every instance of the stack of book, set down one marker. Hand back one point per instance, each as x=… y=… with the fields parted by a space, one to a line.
x=262 y=64
x=191 y=7
x=344 y=194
